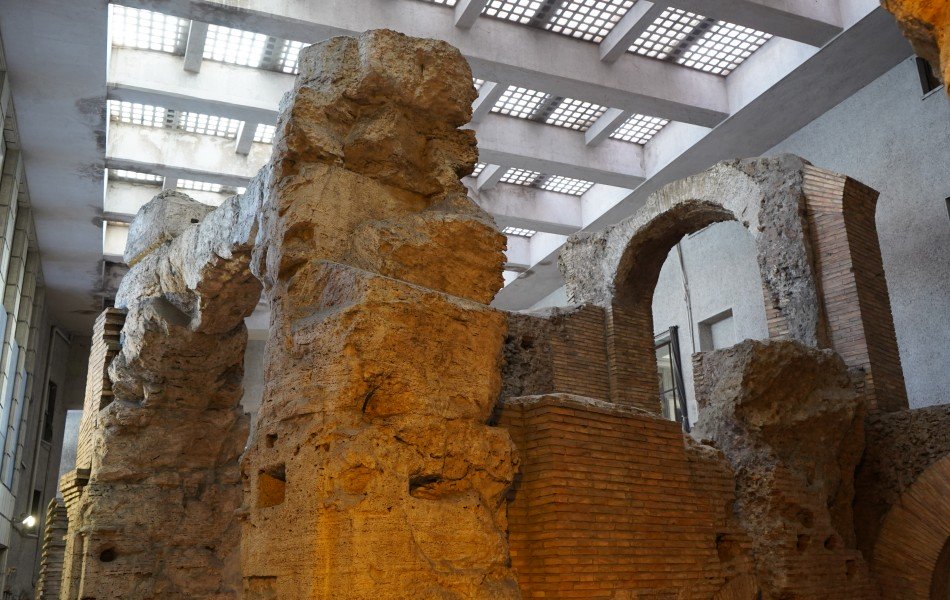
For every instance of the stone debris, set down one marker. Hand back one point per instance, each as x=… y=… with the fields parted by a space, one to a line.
x=371 y=472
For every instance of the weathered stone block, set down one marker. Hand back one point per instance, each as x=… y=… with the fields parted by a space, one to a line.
x=161 y=220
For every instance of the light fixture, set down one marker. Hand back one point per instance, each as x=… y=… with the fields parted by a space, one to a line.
x=29 y=522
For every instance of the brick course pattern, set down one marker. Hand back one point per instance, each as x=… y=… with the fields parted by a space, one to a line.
x=614 y=502
x=54 y=549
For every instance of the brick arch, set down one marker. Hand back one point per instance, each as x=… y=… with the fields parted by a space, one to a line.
x=911 y=549
x=818 y=256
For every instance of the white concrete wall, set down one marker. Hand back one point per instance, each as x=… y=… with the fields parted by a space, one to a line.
x=722 y=274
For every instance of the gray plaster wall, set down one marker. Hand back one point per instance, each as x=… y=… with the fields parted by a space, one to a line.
x=722 y=275
x=253 y=378
x=889 y=137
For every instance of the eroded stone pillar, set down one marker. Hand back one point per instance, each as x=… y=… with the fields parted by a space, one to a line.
x=372 y=472
x=156 y=518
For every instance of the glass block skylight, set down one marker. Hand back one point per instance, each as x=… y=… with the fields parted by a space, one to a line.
x=479 y=167
x=589 y=20
x=200 y=186
x=157 y=116
x=264 y=133
x=574 y=114
x=147 y=30
x=518 y=231
x=521 y=177
x=289 y=53
x=135 y=176
x=234 y=46
x=565 y=185
x=520 y=102
x=443 y=2
x=478 y=83
x=137 y=114
x=639 y=129
x=519 y=11
x=698 y=42
x=208 y=124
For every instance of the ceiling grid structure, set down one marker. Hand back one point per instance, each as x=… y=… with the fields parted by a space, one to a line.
x=568 y=140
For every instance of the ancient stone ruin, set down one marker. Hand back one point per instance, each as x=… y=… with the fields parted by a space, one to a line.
x=926 y=24
x=415 y=443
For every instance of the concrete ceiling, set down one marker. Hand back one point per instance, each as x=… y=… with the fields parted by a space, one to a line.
x=62 y=71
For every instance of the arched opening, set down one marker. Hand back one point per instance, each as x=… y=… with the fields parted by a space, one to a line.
x=708 y=296
x=656 y=259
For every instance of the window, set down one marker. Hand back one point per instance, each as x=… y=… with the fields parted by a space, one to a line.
x=666 y=365
x=50 y=413
x=717 y=332
x=928 y=78
x=288 y=56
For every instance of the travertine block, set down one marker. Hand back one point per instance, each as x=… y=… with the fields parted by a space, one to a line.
x=161 y=220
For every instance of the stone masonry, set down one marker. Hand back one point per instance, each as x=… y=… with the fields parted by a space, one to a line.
x=155 y=518
x=372 y=472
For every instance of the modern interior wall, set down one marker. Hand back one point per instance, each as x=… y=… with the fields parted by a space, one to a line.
x=896 y=140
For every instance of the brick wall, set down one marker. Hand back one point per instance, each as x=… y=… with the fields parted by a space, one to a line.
x=54 y=548
x=840 y=215
x=617 y=503
x=105 y=345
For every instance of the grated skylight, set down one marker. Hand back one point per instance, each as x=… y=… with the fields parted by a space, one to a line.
x=123 y=175
x=479 y=167
x=208 y=124
x=589 y=20
x=264 y=133
x=147 y=30
x=289 y=53
x=698 y=42
x=575 y=114
x=200 y=186
x=157 y=116
x=639 y=129
x=518 y=231
x=520 y=102
x=519 y=11
x=565 y=185
x=234 y=46
x=521 y=177
x=443 y=2
x=478 y=83
x=137 y=114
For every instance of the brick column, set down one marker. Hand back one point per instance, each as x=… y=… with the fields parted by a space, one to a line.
x=840 y=214
x=631 y=357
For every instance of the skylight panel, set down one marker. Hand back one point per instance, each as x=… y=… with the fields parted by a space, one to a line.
x=478 y=83
x=518 y=231
x=147 y=30
x=235 y=46
x=442 y=2
x=723 y=48
x=698 y=42
x=589 y=20
x=639 y=129
x=208 y=124
x=521 y=177
x=264 y=133
x=289 y=53
x=135 y=176
x=575 y=114
x=479 y=167
x=520 y=102
x=137 y=114
x=199 y=186
x=673 y=29
x=565 y=185
x=519 y=11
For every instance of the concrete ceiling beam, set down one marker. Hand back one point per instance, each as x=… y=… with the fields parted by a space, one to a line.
x=496 y=50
